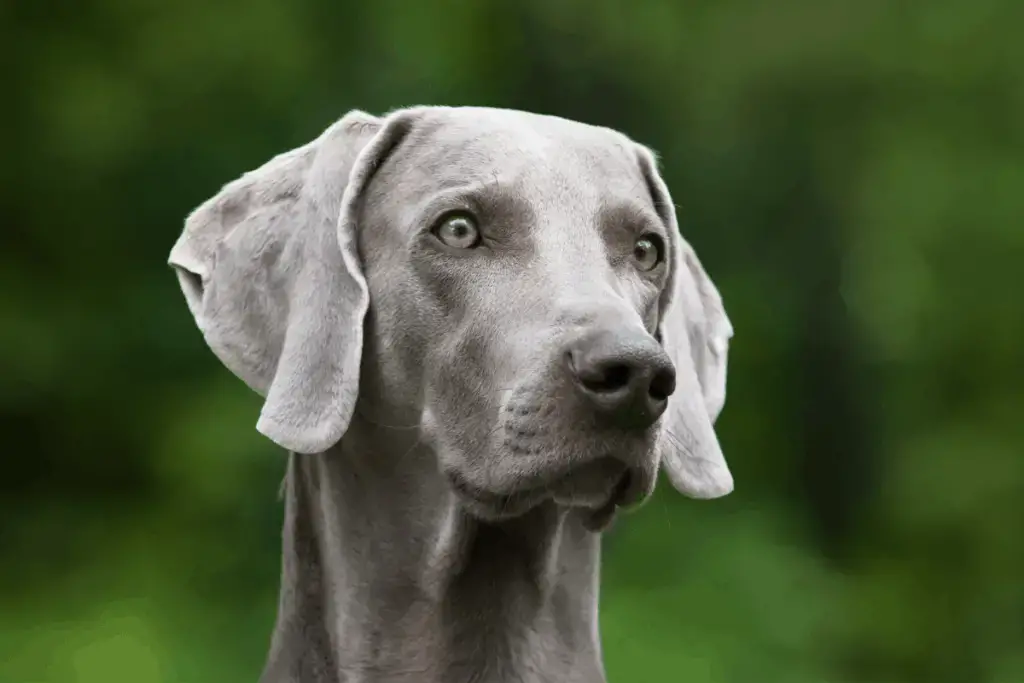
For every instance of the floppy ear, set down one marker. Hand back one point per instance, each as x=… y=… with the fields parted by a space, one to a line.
x=695 y=331
x=270 y=271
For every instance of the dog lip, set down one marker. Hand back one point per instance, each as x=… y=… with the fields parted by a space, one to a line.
x=601 y=518
x=626 y=491
x=490 y=499
x=463 y=487
x=629 y=491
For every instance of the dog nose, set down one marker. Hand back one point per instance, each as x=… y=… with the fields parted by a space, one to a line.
x=625 y=376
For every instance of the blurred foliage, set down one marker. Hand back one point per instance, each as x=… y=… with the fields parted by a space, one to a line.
x=850 y=172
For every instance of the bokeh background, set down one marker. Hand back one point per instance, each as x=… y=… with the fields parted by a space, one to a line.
x=851 y=173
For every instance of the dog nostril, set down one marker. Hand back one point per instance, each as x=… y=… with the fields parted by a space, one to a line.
x=663 y=384
x=606 y=378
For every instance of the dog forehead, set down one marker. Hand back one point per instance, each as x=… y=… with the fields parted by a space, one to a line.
x=459 y=144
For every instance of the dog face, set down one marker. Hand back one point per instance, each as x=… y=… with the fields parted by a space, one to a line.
x=515 y=268
x=516 y=281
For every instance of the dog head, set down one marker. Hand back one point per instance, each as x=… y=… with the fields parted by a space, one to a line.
x=517 y=281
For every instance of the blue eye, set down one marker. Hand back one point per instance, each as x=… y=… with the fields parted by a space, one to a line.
x=458 y=231
x=648 y=252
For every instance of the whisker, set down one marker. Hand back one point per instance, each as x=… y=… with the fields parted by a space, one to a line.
x=376 y=423
x=686 y=443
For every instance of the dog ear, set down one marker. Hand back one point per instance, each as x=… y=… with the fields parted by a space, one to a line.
x=695 y=331
x=270 y=271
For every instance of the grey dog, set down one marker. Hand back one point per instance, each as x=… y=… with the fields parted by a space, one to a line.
x=478 y=333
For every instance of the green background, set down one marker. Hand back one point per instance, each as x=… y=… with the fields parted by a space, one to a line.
x=851 y=173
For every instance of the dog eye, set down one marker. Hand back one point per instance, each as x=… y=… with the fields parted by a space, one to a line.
x=647 y=252
x=458 y=231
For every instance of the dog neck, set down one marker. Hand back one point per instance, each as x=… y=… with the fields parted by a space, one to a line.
x=386 y=579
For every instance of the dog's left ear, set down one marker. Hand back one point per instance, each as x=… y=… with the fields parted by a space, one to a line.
x=695 y=331
x=270 y=270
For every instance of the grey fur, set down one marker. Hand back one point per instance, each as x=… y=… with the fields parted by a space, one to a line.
x=444 y=485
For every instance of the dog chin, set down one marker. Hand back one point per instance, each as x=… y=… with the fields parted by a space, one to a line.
x=491 y=506
x=598 y=488
x=590 y=485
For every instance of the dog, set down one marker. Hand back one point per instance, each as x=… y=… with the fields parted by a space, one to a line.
x=479 y=334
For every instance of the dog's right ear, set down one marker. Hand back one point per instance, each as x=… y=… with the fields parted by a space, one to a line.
x=695 y=331
x=270 y=270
